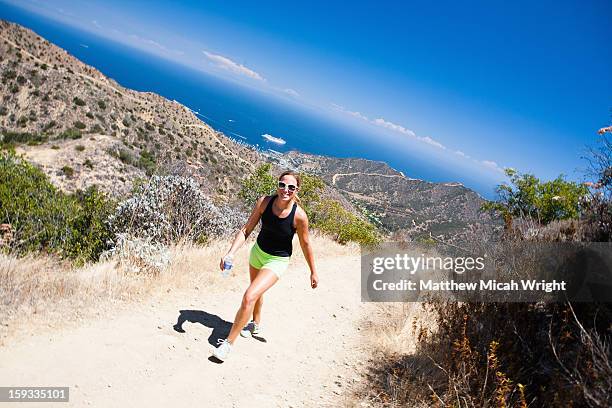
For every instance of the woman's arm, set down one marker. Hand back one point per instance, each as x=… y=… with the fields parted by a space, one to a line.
x=301 y=221
x=244 y=232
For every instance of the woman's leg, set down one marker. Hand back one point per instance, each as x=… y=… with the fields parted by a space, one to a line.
x=257 y=309
x=262 y=282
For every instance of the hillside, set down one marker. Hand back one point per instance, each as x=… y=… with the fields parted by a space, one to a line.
x=123 y=133
x=399 y=204
x=83 y=128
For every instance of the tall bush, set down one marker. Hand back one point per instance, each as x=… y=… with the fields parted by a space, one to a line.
x=171 y=208
x=46 y=219
x=528 y=197
x=331 y=218
x=261 y=182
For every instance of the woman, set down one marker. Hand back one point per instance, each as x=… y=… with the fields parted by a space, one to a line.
x=281 y=217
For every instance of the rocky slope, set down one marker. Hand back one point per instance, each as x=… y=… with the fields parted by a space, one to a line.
x=405 y=206
x=83 y=128
x=48 y=93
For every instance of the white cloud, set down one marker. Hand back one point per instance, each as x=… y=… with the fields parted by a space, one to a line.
x=342 y=109
x=148 y=42
x=432 y=142
x=64 y=12
x=390 y=125
x=460 y=153
x=227 y=64
x=291 y=92
x=95 y=24
x=155 y=43
x=401 y=129
x=492 y=165
x=358 y=115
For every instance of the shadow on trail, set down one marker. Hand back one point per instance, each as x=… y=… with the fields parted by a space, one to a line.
x=220 y=327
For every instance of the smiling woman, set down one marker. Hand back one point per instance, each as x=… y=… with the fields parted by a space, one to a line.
x=281 y=217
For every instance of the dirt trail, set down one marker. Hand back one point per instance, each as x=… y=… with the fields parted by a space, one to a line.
x=335 y=176
x=312 y=357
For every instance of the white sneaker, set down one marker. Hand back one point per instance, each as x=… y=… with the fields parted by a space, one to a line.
x=251 y=329
x=223 y=349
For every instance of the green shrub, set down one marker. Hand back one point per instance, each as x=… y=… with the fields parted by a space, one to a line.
x=311 y=188
x=46 y=219
x=68 y=171
x=91 y=233
x=70 y=134
x=49 y=125
x=78 y=101
x=147 y=162
x=88 y=163
x=10 y=139
x=79 y=148
x=96 y=128
x=528 y=197
x=261 y=182
x=101 y=104
x=9 y=74
x=331 y=218
x=126 y=156
x=79 y=125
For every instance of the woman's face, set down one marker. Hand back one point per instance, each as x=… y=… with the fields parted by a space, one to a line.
x=289 y=182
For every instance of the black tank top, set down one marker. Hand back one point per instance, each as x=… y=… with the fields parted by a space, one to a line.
x=276 y=235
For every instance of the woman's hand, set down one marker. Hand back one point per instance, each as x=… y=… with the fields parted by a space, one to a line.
x=314 y=280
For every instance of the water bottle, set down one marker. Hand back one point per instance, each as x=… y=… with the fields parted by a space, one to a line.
x=228 y=262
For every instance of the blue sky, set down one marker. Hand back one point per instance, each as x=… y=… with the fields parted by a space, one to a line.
x=481 y=85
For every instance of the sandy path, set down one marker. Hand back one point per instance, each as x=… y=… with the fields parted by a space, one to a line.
x=312 y=356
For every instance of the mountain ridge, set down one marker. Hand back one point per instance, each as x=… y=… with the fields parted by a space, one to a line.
x=83 y=128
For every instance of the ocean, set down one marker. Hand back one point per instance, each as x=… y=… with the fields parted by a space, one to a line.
x=258 y=118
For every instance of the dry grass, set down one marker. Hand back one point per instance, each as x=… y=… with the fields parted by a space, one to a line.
x=393 y=329
x=43 y=291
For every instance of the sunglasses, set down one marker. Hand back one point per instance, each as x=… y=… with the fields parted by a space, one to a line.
x=290 y=187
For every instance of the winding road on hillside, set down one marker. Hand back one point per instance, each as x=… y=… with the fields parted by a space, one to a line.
x=336 y=175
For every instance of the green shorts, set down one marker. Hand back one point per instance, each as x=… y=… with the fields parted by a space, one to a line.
x=259 y=259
